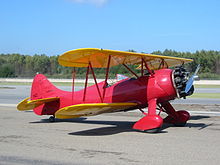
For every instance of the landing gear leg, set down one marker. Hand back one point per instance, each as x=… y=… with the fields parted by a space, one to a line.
x=52 y=119
x=178 y=118
x=151 y=122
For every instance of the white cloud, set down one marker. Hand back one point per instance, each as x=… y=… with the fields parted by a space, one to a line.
x=94 y=2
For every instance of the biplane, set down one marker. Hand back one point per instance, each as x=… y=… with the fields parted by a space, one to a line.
x=153 y=87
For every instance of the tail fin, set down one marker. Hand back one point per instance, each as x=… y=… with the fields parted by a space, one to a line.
x=42 y=88
x=44 y=97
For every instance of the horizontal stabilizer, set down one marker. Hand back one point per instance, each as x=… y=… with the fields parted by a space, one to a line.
x=27 y=104
x=78 y=110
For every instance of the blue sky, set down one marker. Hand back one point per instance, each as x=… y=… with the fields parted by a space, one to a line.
x=52 y=27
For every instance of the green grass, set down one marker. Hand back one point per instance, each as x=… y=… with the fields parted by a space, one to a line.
x=206 y=86
x=7 y=88
x=206 y=95
x=15 y=83
x=56 y=83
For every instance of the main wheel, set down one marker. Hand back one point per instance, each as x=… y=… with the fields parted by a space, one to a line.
x=149 y=123
x=181 y=119
x=155 y=130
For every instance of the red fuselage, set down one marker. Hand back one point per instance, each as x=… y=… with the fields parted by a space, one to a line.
x=159 y=86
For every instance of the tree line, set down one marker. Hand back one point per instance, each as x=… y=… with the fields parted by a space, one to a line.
x=18 y=65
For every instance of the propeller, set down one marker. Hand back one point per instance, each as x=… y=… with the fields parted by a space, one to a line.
x=189 y=83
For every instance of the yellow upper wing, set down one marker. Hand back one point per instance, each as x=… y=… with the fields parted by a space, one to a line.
x=91 y=109
x=99 y=58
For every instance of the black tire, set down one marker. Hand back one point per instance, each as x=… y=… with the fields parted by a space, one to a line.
x=52 y=119
x=180 y=124
x=155 y=130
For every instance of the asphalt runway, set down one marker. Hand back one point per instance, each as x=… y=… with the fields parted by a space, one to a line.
x=27 y=139
x=15 y=93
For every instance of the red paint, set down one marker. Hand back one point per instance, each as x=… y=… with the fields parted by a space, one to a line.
x=146 y=66
x=175 y=117
x=145 y=90
x=106 y=77
x=148 y=122
x=73 y=82
x=96 y=84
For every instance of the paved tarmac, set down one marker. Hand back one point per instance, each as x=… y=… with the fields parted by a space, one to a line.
x=15 y=93
x=108 y=139
x=26 y=138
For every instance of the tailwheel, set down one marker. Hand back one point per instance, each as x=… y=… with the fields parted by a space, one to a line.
x=52 y=119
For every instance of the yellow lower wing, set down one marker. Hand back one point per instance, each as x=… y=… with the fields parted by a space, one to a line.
x=27 y=104
x=78 y=110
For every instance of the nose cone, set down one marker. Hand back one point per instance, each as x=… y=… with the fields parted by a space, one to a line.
x=163 y=79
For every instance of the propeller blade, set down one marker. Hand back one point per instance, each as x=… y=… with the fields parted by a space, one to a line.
x=197 y=70
x=189 y=83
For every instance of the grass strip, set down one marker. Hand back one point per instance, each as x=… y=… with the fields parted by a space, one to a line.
x=55 y=83
x=206 y=95
x=206 y=86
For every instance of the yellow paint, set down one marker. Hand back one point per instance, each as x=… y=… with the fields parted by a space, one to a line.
x=67 y=116
x=99 y=58
x=23 y=105
x=78 y=110
x=27 y=104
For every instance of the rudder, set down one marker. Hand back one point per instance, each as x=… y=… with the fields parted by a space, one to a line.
x=43 y=88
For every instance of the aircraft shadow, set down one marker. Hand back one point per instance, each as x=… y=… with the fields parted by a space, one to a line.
x=119 y=127
x=199 y=117
x=115 y=127
x=59 y=120
x=200 y=126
